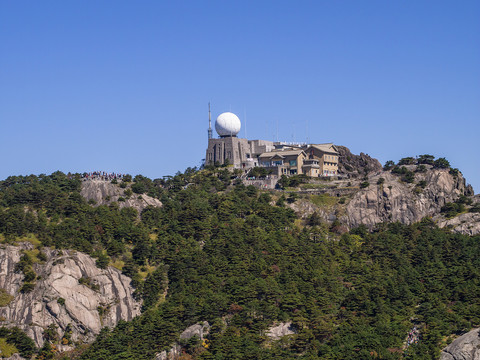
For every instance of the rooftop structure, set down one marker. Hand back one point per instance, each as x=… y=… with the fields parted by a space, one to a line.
x=227 y=124
x=281 y=158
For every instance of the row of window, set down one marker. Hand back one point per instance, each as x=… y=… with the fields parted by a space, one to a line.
x=331 y=157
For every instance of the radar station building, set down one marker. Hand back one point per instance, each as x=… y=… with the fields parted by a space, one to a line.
x=314 y=160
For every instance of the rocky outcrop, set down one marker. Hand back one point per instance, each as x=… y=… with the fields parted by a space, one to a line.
x=276 y=332
x=200 y=330
x=383 y=196
x=467 y=223
x=100 y=192
x=355 y=166
x=466 y=347
x=395 y=200
x=70 y=291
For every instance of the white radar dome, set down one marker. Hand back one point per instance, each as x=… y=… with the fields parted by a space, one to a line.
x=227 y=124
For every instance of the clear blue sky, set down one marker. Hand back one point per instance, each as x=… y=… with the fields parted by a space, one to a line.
x=124 y=85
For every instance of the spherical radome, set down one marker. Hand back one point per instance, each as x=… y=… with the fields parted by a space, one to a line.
x=227 y=124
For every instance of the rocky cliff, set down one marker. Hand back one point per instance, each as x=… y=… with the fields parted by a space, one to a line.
x=466 y=347
x=352 y=166
x=70 y=292
x=392 y=199
x=100 y=192
x=369 y=195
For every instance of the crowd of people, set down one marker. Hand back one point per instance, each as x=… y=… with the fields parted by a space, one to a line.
x=412 y=337
x=102 y=175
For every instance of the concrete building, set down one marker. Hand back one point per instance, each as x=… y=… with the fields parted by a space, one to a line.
x=313 y=160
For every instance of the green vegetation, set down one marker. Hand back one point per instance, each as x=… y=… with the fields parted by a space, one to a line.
x=15 y=340
x=6 y=349
x=453 y=209
x=407 y=175
x=421 y=160
x=259 y=172
x=323 y=200
x=292 y=181
x=5 y=298
x=229 y=257
x=364 y=184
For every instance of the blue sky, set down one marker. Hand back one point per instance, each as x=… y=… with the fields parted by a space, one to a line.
x=124 y=85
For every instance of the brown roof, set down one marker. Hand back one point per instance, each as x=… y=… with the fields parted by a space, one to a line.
x=329 y=147
x=282 y=154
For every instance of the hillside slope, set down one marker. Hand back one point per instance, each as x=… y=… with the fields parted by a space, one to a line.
x=100 y=192
x=71 y=293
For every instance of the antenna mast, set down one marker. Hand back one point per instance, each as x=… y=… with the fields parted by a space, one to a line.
x=245 y=116
x=209 y=123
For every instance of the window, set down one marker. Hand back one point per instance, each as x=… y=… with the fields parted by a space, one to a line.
x=277 y=162
x=293 y=162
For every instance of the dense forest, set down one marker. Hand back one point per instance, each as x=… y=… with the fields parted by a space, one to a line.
x=240 y=259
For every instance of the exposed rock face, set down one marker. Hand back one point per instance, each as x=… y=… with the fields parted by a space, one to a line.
x=200 y=330
x=395 y=200
x=466 y=347
x=278 y=331
x=58 y=298
x=104 y=193
x=468 y=223
x=356 y=165
x=171 y=354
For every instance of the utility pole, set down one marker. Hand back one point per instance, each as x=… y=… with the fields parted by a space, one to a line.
x=209 y=123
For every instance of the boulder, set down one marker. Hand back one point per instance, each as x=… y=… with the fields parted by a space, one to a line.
x=276 y=332
x=466 y=347
x=199 y=330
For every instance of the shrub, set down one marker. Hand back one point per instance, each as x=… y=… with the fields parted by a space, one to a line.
x=5 y=297
x=407 y=161
x=421 y=168
x=41 y=256
x=380 y=181
x=364 y=185
x=464 y=200
x=27 y=287
x=441 y=163
x=475 y=208
x=409 y=177
x=426 y=159
x=422 y=184
x=292 y=198
x=454 y=172
x=388 y=165
x=452 y=209
x=139 y=188
x=102 y=261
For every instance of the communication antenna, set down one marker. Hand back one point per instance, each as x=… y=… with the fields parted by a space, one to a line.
x=306 y=131
x=277 y=130
x=245 y=116
x=209 y=123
